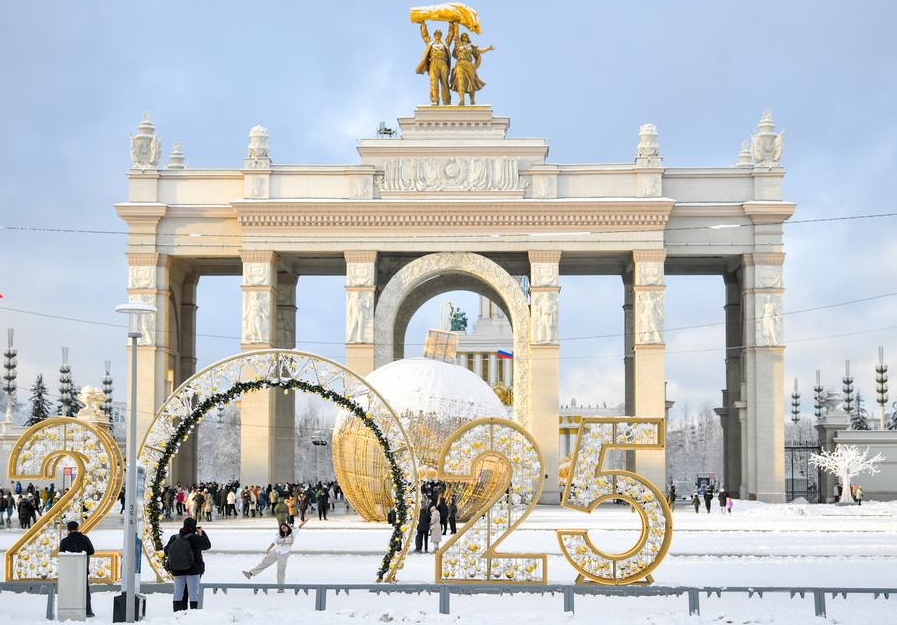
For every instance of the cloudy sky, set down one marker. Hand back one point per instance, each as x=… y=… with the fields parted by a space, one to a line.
x=75 y=79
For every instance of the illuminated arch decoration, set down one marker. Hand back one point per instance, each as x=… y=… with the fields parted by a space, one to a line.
x=288 y=370
x=92 y=455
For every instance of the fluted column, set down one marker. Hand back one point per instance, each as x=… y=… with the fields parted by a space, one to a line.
x=361 y=288
x=646 y=352
x=545 y=366
x=257 y=438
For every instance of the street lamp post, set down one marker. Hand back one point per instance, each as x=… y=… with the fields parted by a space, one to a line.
x=134 y=310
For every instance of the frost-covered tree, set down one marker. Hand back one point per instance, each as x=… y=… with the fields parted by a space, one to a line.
x=846 y=462
x=40 y=405
x=891 y=422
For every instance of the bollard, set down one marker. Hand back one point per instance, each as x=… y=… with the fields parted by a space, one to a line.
x=71 y=600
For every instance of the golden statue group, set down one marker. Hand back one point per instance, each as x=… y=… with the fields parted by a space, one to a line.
x=438 y=54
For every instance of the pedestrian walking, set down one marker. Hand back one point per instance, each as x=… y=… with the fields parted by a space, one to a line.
x=729 y=504
x=696 y=502
x=278 y=551
x=722 y=497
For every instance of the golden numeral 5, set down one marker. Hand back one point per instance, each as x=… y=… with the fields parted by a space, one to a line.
x=40 y=453
x=588 y=485
x=509 y=454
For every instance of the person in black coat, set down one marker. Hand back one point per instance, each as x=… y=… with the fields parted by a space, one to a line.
x=189 y=579
x=76 y=542
x=26 y=511
x=443 y=509
x=423 y=528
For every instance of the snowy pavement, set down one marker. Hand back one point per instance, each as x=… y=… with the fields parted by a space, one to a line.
x=757 y=545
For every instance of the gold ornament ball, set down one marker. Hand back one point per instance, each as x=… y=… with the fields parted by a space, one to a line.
x=431 y=399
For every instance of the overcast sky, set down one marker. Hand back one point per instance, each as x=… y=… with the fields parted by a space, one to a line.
x=75 y=79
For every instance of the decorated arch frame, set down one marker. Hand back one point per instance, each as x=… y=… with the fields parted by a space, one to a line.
x=418 y=271
x=287 y=370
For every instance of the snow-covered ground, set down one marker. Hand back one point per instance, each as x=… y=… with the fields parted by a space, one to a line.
x=757 y=545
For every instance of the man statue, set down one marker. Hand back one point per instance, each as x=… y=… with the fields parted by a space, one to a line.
x=437 y=57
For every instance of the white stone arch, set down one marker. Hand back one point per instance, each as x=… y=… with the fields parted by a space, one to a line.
x=283 y=369
x=419 y=271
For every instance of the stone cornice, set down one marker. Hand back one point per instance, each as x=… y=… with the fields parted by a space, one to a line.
x=258 y=256
x=615 y=214
x=769 y=212
x=141 y=213
x=649 y=256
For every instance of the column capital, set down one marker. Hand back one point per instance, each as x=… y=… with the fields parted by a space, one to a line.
x=361 y=256
x=544 y=256
x=151 y=259
x=649 y=256
x=258 y=256
x=751 y=260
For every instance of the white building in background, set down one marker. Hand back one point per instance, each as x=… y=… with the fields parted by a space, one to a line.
x=454 y=203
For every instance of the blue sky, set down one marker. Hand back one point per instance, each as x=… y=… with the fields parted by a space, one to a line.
x=76 y=78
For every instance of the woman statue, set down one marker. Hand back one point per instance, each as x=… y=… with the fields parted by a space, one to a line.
x=464 y=74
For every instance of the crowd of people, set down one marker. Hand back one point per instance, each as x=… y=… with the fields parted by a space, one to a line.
x=26 y=502
x=210 y=500
x=436 y=517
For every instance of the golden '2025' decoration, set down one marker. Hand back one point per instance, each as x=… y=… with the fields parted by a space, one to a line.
x=588 y=485
x=41 y=453
x=431 y=399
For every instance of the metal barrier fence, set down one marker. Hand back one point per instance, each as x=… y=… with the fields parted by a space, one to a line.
x=567 y=591
x=445 y=591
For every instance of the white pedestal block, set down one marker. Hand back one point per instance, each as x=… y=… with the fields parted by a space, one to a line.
x=71 y=594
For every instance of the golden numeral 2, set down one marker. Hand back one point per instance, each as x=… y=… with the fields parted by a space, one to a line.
x=39 y=454
x=513 y=461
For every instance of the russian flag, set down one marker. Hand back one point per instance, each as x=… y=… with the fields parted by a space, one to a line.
x=504 y=355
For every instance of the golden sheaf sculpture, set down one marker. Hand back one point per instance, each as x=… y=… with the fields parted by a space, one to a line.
x=432 y=399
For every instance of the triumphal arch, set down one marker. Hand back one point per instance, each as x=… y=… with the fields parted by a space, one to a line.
x=453 y=202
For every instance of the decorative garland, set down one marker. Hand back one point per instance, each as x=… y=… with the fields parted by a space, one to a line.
x=185 y=428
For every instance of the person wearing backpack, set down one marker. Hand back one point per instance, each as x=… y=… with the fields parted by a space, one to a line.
x=184 y=560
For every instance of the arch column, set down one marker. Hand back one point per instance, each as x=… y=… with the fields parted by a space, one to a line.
x=764 y=376
x=148 y=283
x=182 y=363
x=732 y=412
x=645 y=360
x=361 y=287
x=544 y=295
x=285 y=404
x=259 y=331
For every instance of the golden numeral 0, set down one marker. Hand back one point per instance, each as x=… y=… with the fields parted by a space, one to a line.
x=40 y=453
x=588 y=485
x=503 y=454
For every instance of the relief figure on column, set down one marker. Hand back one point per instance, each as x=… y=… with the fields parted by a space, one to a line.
x=255 y=318
x=358 y=308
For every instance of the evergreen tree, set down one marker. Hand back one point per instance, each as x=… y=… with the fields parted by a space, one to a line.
x=891 y=421
x=858 y=419
x=40 y=405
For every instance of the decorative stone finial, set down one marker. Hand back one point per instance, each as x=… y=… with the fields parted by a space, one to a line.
x=257 y=156
x=647 y=140
x=93 y=399
x=766 y=145
x=176 y=159
x=146 y=148
x=744 y=157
